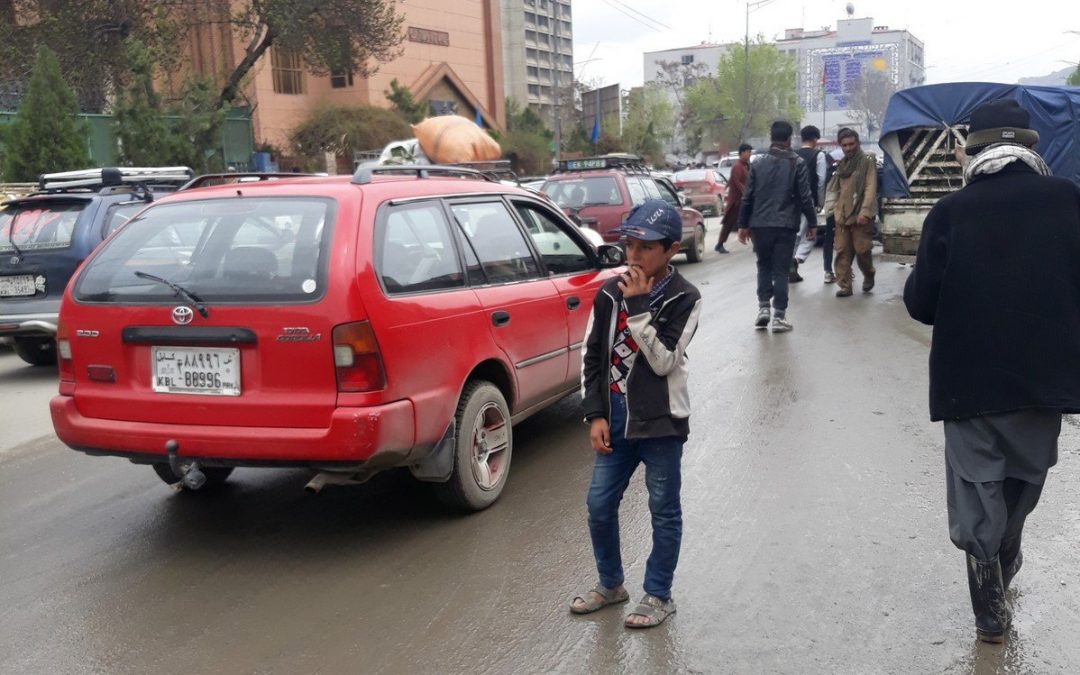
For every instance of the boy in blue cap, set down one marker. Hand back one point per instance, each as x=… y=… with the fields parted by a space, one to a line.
x=637 y=405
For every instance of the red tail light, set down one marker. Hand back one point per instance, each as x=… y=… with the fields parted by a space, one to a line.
x=356 y=358
x=63 y=358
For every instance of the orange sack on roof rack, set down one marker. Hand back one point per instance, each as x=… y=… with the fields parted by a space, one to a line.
x=450 y=139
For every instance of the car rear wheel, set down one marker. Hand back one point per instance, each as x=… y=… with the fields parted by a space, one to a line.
x=482 y=451
x=215 y=475
x=37 y=351
x=697 y=249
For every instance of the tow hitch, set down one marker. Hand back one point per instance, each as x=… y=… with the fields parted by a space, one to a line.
x=189 y=473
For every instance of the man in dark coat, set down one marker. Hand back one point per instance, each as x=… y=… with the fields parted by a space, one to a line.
x=735 y=187
x=997 y=277
x=777 y=191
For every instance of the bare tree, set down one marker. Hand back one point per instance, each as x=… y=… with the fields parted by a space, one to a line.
x=868 y=101
x=676 y=79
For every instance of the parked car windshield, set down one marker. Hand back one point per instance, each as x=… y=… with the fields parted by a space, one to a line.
x=39 y=225
x=691 y=175
x=572 y=193
x=238 y=249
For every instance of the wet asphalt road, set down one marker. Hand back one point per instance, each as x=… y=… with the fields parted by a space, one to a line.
x=815 y=536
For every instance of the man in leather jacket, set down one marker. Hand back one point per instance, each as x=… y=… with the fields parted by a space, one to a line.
x=777 y=192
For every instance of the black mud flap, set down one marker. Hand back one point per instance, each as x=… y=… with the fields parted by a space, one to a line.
x=437 y=467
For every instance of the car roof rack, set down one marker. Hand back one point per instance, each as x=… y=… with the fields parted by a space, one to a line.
x=364 y=175
x=210 y=179
x=90 y=179
x=499 y=169
x=620 y=161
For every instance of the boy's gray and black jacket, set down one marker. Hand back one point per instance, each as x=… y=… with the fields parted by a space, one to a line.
x=657 y=397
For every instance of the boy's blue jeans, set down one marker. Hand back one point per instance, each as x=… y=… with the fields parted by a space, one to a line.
x=663 y=478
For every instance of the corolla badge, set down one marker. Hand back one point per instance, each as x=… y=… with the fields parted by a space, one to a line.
x=182 y=315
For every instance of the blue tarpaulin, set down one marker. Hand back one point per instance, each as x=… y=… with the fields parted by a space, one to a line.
x=1055 y=114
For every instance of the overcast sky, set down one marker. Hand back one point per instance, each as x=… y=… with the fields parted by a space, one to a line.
x=966 y=40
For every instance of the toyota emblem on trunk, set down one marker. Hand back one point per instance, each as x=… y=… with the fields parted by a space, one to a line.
x=182 y=315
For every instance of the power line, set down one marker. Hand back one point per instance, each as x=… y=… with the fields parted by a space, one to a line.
x=628 y=14
x=659 y=23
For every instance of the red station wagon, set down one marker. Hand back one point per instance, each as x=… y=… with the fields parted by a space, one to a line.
x=403 y=318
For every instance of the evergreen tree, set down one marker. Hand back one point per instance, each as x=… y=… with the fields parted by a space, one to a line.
x=404 y=104
x=47 y=134
x=145 y=137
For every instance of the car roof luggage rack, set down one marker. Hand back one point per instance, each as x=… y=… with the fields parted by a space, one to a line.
x=364 y=175
x=88 y=179
x=621 y=161
x=210 y=179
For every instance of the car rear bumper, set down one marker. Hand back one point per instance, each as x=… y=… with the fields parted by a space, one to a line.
x=381 y=435
x=43 y=324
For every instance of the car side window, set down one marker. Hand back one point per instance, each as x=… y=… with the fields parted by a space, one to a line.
x=666 y=194
x=415 y=250
x=651 y=191
x=560 y=252
x=497 y=241
x=637 y=192
x=118 y=214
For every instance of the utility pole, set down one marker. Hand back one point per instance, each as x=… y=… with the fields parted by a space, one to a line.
x=557 y=63
x=750 y=6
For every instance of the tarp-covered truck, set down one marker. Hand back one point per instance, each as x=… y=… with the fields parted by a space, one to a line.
x=924 y=127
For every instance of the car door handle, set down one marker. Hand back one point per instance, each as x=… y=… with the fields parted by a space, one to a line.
x=500 y=318
x=573 y=302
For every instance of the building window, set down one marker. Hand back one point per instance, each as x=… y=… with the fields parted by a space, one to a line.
x=288 y=71
x=687 y=59
x=339 y=79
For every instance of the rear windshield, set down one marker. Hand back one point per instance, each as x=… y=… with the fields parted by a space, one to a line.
x=243 y=249
x=38 y=226
x=689 y=176
x=572 y=193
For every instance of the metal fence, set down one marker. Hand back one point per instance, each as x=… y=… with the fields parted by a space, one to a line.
x=236 y=145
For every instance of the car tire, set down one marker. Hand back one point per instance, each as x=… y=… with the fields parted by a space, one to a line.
x=482 y=450
x=696 y=252
x=215 y=475
x=37 y=351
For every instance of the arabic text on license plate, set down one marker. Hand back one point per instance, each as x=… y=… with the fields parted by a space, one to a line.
x=196 y=370
x=20 y=284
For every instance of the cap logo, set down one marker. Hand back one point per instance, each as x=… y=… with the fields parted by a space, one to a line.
x=1008 y=134
x=654 y=217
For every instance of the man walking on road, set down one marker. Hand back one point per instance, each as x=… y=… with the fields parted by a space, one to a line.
x=817 y=164
x=1005 y=358
x=777 y=191
x=853 y=190
x=735 y=188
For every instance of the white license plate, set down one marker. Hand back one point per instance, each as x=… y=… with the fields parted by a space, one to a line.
x=208 y=371
x=20 y=284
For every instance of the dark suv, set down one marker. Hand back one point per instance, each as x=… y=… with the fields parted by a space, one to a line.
x=598 y=193
x=46 y=235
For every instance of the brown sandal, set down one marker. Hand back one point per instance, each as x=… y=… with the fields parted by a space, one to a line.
x=609 y=597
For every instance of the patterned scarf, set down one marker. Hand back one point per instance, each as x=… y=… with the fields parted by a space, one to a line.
x=998 y=156
x=853 y=165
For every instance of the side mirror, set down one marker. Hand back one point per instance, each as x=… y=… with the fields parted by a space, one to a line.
x=611 y=256
x=684 y=200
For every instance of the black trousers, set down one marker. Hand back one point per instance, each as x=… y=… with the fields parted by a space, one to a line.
x=774 y=247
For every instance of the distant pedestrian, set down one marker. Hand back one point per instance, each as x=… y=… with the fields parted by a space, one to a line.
x=634 y=389
x=817 y=163
x=777 y=191
x=740 y=171
x=1005 y=354
x=854 y=196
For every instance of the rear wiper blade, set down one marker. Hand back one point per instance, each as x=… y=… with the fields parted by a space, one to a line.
x=11 y=238
x=193 y=299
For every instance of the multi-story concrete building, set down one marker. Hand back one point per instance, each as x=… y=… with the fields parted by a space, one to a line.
x=674 y=71
x=538 y=51
x=451 y=58
x=833 y=67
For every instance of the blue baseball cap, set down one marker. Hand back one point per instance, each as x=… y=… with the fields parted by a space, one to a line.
x=652 y=220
